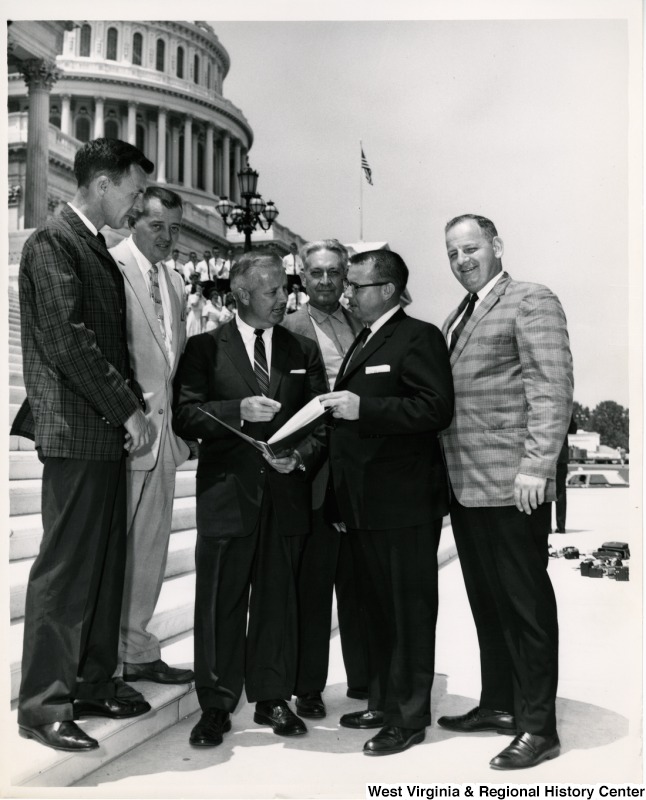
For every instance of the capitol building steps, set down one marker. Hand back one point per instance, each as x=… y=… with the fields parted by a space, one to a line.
x=33 y=764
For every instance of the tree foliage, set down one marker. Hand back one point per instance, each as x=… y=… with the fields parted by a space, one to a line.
x=581 y=415
x=610 y=421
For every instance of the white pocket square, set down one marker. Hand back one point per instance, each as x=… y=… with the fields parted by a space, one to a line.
x=380 y=368
x=297 y=372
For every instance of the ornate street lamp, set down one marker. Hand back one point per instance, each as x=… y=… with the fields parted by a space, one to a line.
x=255 y=213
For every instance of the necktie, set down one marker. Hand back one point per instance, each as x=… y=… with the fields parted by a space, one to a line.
x=101 y=238
x=357 y=347
x=465 y=318
x=260 y=362
x=155 y=296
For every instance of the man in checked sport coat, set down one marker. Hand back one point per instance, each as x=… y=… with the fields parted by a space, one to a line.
x=512 y=372
x=253 y=513
x=392 y=396
x=156 y=338
x=327 y=558
x=82 y=414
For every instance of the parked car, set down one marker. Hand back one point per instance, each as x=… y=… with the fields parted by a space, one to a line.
x=588 y=479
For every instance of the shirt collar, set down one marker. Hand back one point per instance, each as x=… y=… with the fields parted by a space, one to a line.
x=247 y=332
x=142 y=261
x=320 y=316
x=84 y=219
x=383 y=319
x=488 y=286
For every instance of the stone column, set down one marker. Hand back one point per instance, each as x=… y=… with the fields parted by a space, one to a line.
x=98 y=117
x=66 y=114
x=208 y=159
x=236 y=170
x=226 y=166
x=132 y=122
x=188 y=151
x=175 y=152
x=161 y=145
x=194 y=160
x=39 y=76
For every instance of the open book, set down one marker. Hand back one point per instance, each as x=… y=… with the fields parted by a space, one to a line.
x=293 y=431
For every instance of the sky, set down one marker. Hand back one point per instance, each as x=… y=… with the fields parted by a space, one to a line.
x=523 y=121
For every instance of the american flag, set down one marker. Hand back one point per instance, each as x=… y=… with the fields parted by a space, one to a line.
x=366 y=167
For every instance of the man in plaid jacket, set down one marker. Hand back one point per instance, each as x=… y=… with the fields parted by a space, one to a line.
x=512 y=373
x=82 y=414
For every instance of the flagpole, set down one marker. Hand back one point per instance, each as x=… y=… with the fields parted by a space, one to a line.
x=360 y=192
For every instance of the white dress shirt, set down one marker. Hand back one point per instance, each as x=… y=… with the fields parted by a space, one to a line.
x=84 y=219
x=249 y=341
x=481 y=296
x=378 y=323
x=144 y=265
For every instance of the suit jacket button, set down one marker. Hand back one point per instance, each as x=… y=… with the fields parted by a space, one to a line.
x=161 y=411
x=262 y=470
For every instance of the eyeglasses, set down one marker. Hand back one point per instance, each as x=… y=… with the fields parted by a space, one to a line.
x=356 y=286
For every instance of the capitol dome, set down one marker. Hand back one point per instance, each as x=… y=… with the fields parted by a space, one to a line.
x=158 y=85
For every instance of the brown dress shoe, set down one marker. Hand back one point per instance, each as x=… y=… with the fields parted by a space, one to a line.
x=527 y=750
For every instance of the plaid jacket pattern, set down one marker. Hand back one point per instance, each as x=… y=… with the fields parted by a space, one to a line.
x=512 y=373
x=75 y=357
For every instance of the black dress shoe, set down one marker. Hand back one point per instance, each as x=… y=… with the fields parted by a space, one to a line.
x=560 y=530
x=60 y=735
x=125 y=692
x=280 y=717
x=480 y=719
x=310 y=705
x=393 y=739
x=527 y=750
x=156 y=671
x=209 y=731
x=363 y=719
x=357 y=694
x=114 y=707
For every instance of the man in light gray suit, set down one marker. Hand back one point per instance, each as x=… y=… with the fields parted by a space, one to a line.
x=156 y=330
x=327 y=559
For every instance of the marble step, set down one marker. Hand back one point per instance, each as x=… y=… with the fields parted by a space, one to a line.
x=173 y=617
x=33 y=765
x=20 y=444
x=24 y=495
x=25 y=532
x=181 y=560
x=17 y=394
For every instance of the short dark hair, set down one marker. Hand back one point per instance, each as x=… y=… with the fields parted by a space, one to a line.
x=388 y=266
x=486 y=225
x=247 y=262
x=110 y=156
x=167 y=198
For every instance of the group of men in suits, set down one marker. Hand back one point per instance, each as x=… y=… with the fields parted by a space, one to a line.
x=356 y=506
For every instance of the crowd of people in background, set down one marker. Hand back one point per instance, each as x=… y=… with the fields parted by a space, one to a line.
x=209 y=302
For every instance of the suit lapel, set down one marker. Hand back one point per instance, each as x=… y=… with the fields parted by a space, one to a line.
x=279 y=353
x=377 y=340
x=132 y=274
x=481 y=311
x=454 y=315
x=233 y=347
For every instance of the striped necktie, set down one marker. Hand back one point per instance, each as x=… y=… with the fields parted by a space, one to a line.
x=260 y=362
x=465 y=318
x=155 y=296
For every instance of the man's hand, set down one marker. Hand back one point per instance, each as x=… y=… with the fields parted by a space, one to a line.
x=258 y=409
x=529 y=492
x=284 y=464
x=137 y=431
x=344 y=405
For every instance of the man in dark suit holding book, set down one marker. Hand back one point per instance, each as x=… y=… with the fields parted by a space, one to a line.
x=393 y=394
x=252 y=511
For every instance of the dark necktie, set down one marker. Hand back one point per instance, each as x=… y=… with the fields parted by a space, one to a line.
x=357 y=347
x=465 y=318
x=260 y=362
x=101 y=238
